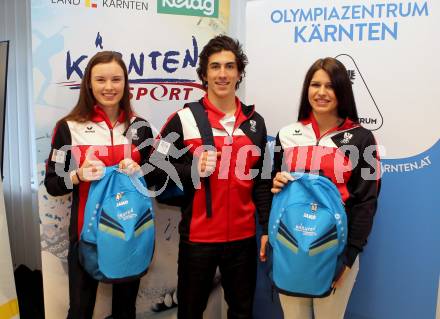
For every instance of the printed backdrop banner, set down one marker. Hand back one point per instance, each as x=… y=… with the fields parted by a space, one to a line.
x=390 y=51
x=160 y=42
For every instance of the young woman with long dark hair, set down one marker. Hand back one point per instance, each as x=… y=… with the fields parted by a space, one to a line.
x=327 y=138
x=98 y=132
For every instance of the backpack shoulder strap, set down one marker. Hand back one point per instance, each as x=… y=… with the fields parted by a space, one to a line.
x=205 y=129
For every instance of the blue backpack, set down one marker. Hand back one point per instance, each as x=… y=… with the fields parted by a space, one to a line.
x=308 y=234
x=117 y=239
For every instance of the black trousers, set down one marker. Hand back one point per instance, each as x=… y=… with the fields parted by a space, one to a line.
x=198 y=262
x=82 y=292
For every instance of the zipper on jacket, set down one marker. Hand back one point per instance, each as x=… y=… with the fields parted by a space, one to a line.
x=228 y=235
x=228 y=214
x=112 y=150
x=326 y=133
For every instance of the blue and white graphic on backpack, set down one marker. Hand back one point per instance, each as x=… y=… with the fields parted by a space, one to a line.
x=308 y=233
x=117 y=239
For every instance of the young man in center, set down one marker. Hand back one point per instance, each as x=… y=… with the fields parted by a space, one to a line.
x=225 y=235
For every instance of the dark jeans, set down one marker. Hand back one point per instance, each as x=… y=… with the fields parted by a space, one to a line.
x=82 y=292
x=198 y=262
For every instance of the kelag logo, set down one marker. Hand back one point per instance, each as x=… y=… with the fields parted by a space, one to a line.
x=199 y=8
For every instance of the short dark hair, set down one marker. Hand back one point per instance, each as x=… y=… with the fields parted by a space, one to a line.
x=341 y=85
x=216 y=45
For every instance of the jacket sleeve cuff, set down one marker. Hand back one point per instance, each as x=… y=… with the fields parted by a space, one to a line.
x=350 y=255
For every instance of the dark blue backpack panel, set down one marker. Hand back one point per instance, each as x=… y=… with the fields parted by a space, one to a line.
x=117 y=239
x=308 y=233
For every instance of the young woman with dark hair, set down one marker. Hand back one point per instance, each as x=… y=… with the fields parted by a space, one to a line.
x=95 y=134
x=328 y=139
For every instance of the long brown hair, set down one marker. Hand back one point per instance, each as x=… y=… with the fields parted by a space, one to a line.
x=341 y=85
x=83 y=109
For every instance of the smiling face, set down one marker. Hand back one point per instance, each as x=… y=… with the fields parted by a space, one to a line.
x=107 y=83
x=322 y=97
x=222 y=75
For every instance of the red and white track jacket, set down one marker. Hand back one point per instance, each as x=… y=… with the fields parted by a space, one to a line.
x=71 y=142
x=236 y=195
